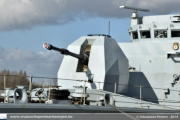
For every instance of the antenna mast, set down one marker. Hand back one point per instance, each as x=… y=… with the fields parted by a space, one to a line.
x=109 y=29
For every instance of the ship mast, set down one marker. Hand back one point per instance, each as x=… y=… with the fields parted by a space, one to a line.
x=134 y=16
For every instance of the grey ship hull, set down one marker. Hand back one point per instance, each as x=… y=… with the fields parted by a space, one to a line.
x=69 y=108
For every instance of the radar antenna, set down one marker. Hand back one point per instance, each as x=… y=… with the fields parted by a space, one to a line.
x=133 y=8
x=134 y=17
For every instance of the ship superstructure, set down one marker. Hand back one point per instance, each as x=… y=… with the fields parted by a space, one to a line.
x=154 y=55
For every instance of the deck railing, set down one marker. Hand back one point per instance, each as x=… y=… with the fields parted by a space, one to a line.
x=141 y=99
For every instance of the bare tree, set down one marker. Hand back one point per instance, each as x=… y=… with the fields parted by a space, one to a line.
x=55 y=82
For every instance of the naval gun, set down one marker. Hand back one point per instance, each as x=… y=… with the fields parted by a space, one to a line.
x=84 y=57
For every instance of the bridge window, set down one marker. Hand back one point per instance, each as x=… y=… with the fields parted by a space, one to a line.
x=175 y=33
x=145 y=34
x=135 y=35
x=160 y=33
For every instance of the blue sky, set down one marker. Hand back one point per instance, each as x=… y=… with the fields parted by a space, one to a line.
x=62 y=35
x=26 y=24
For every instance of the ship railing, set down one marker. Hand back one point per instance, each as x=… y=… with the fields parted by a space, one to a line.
x=141 y=99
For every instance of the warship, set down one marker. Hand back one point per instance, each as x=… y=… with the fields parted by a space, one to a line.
x=99 y=75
